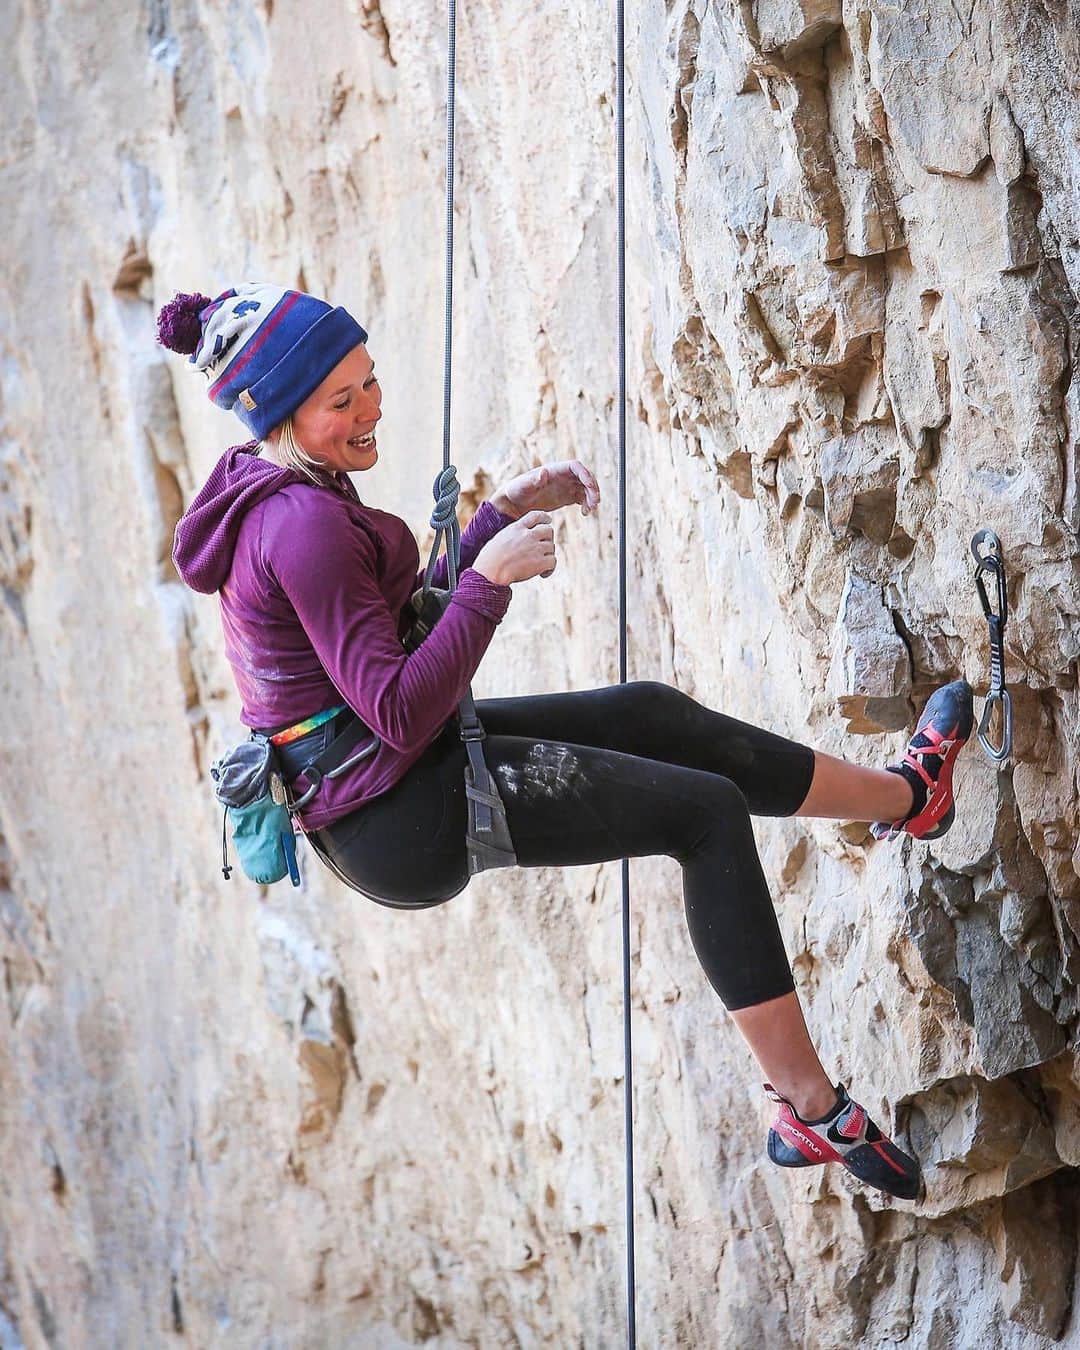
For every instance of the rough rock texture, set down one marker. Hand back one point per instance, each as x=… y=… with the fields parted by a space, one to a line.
x=244 y=1118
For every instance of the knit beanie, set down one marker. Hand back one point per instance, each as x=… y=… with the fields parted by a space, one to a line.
x=264 y=349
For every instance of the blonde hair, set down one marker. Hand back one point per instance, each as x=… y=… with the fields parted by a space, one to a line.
x=290 y=454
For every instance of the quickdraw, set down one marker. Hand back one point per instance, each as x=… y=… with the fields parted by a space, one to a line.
x=997 y=695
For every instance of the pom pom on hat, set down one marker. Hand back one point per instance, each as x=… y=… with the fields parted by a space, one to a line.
x=178 y=326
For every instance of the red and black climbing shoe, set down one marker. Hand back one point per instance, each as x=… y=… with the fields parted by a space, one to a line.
x=943 y=731
x=848 y=1136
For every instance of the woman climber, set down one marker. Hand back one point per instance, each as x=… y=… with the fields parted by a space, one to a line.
x=314 y=588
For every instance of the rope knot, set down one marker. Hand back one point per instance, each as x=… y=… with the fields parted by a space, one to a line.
x=446 y=491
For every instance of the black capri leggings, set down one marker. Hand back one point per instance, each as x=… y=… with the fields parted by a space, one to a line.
x=624 y=771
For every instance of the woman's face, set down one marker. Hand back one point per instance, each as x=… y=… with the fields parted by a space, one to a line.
x=336 y=423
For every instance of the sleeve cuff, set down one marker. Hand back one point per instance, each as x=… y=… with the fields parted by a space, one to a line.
x=489 y=520
x=484 y=597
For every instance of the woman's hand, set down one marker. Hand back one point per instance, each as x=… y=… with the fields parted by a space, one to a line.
x=547 y=488
x=526 y=548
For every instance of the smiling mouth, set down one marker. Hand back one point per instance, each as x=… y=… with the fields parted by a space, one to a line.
x=363 y=442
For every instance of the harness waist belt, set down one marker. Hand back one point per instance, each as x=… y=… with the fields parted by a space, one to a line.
x=287 y=735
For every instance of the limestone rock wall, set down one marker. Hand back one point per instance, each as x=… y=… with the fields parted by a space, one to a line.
x=244 y=1118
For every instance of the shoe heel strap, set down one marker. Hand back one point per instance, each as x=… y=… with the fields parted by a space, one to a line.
x=773 y=1095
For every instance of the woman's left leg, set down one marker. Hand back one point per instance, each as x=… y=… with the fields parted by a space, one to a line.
x=569 y=804
x=777 y=776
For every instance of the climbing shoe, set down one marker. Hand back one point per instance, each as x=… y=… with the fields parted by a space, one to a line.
x=848 y=1136
x=943 y=731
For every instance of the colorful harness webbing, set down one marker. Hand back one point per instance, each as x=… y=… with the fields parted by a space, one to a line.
x=299 y=729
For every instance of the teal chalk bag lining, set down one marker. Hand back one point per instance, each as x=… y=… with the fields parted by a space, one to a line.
x=250 y=787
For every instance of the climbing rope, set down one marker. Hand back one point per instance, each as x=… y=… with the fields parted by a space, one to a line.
x=997 y=696
x=444 y=519
x=487 y=836
x=448 y=319
x=620 y=252
x=493 y=850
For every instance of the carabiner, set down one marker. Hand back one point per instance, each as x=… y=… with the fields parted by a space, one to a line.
x=991 y=561
x=998 y=753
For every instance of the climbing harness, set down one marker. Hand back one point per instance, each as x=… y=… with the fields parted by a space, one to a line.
x=997 y=695
x=333 y=761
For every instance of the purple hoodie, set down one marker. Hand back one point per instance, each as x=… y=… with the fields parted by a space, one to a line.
x=314 y=587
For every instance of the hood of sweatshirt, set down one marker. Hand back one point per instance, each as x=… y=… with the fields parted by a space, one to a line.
x=207 y=531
